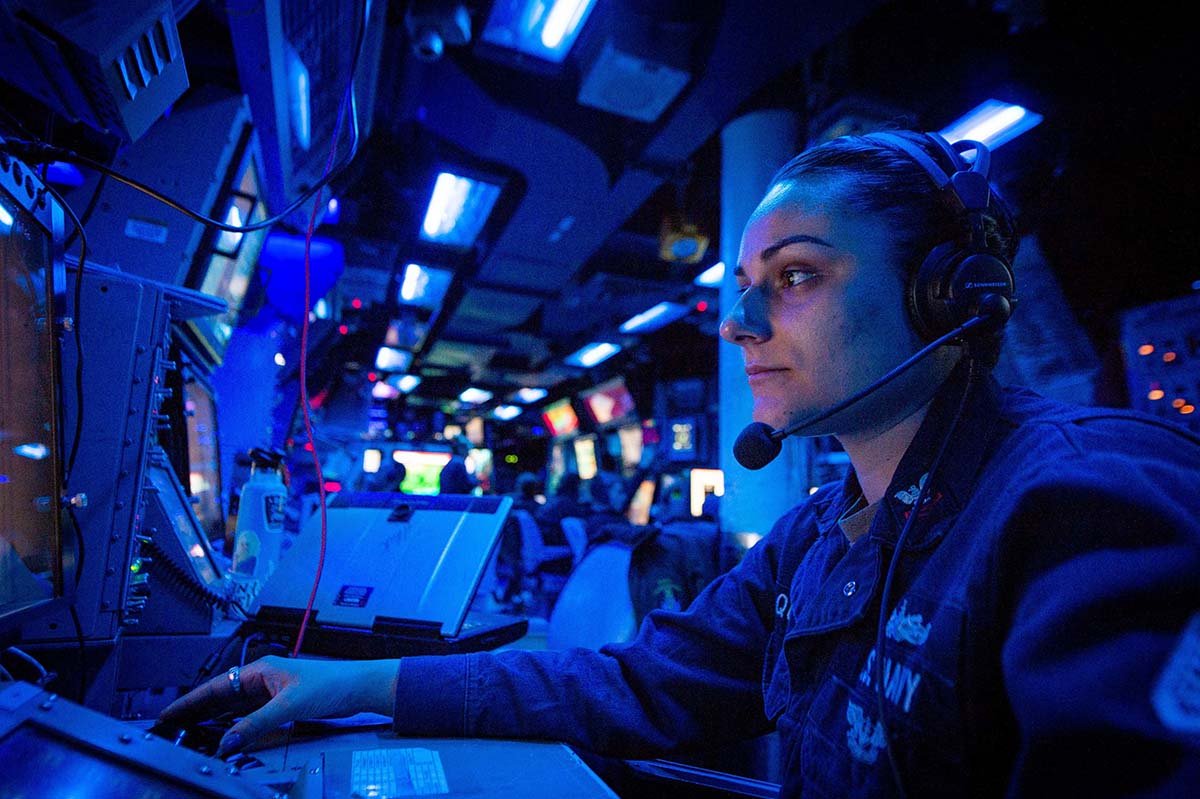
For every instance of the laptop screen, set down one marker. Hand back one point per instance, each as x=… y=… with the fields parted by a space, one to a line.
x=391 y=556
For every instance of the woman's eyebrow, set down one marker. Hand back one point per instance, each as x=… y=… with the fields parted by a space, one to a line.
x=799 y=238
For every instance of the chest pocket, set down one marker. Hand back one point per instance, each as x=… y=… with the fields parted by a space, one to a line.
x=843 y=743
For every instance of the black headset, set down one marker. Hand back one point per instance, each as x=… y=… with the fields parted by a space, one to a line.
x=947 y=289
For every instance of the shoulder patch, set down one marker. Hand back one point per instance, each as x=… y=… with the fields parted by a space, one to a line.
x=1176 y=696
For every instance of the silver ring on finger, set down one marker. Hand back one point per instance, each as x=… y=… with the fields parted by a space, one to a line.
x=235 y=679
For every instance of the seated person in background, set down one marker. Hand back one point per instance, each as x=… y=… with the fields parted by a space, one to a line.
x=455 y=477
x=510 y=566
x=564 y=502
x=606 y=519
x=1001 y=597
x=387 y=478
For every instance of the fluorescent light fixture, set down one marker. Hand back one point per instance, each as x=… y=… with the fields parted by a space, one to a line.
x=404 y=383
x=592 y=354
x=384 y=391
x=711 y=276
x=458 y=209
x=390 y=359
x=474 y=396
x=530 y=395
x=654 y=318
x=542 y=28
x=506 y=412
x=423 y=286
x=992 y=123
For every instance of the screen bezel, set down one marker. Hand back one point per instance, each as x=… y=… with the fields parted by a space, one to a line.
x=203 y=329
x=43 y=212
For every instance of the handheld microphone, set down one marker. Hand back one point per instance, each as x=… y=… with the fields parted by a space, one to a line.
x=759 y=444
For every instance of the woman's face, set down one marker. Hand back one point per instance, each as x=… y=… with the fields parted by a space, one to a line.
x=821 y=313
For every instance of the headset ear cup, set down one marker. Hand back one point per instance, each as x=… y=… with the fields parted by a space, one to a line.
x=925 y=291
x=948 y=288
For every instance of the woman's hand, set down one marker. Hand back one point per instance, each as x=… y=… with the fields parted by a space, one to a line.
x=274 y=691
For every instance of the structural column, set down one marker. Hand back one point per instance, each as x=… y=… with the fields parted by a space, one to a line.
x=753 y=147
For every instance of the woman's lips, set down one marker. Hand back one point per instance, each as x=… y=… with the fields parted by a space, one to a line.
x=756 y=373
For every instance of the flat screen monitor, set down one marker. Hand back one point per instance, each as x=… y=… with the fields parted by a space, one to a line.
x=641 y=502
x=204 y=458
x=632 y=443
x=609 y=402
x=560 y=418
x=31 y=563
x=225 y=267
x=31 y=754
x=585 y=457
x=422 y=470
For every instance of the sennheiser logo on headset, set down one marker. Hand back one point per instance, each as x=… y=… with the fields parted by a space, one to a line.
x=998 y=284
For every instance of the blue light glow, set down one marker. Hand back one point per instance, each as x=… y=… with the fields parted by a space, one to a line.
x=992 y=123
x=298 y=98
x=711 y=276
x=592 y=354
x=458 y=210
x=60 y=173
x=6 y=219
x=654 y=318
x=537 y=27
x=35 y=451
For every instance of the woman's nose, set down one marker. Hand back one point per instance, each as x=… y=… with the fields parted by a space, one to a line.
x=747 y=319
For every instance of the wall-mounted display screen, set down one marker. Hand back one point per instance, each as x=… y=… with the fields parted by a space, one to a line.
x=227 y=266
x=585 y=457
x=632 y=444
x=609 y=402
x=560 y=418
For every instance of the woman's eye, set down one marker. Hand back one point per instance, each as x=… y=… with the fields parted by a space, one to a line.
x=794 y=277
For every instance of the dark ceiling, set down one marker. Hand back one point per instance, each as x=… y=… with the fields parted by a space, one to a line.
x=571 y=249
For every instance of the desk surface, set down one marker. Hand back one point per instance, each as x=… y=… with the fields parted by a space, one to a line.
x=316 y=757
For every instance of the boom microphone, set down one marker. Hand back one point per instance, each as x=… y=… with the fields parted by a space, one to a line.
x=759 y=444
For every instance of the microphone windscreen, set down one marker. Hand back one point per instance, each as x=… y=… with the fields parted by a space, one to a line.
x=755 y=447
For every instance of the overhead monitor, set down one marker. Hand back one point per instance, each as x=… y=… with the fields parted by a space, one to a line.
x=225 y=264
x=609 y=402
x=560 y=418
x=31 y=564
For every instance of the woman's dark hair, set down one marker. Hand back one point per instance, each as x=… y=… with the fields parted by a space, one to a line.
x=874 y=178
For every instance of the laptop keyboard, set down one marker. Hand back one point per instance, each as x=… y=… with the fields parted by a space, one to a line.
x=384 y=773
